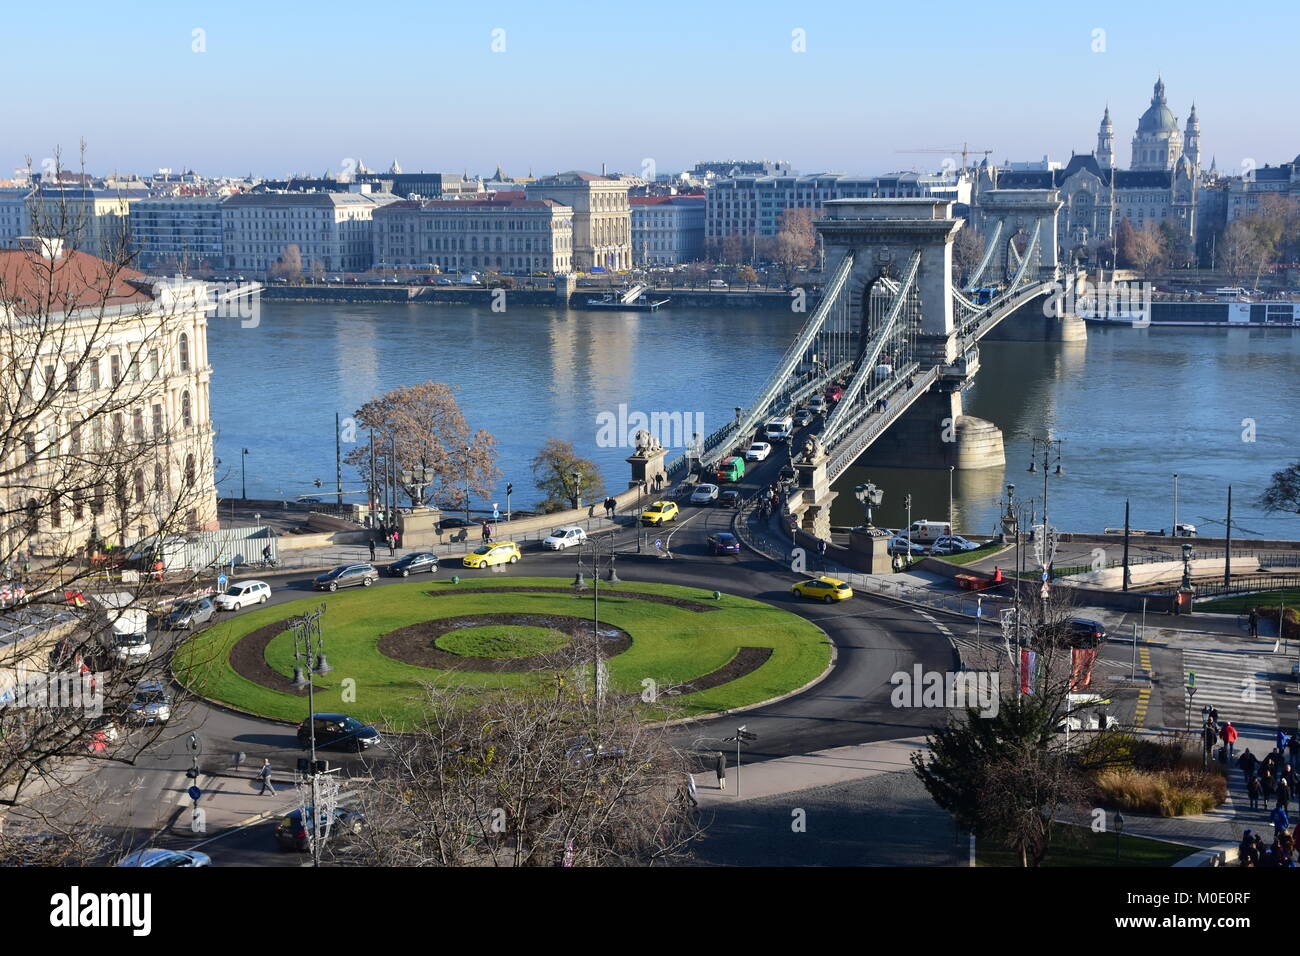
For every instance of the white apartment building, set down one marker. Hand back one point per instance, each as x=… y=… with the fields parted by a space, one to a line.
x=752 y=205
x=332 y=230
x=667 y=230
x=518 y=236
x=116 y=439
x=15 y=220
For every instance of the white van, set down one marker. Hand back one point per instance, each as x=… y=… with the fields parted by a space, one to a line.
x=123 y=627
x=927 y=532
x=779 y=429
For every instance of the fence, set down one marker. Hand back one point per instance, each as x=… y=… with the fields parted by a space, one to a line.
x=1251 y=584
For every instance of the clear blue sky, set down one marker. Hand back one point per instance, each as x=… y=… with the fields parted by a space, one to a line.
x=578 y=84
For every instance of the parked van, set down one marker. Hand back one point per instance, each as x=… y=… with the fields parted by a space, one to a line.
x=731 y=469
x=123 y=627
x=779 y=429
x=927 y=532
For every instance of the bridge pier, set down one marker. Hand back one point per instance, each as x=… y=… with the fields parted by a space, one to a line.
x=1035 y=321
x=813 y=507
x=935 y=433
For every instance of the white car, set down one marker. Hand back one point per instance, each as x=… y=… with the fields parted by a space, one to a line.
x=566 y=537
x=758 y=451
x=704 y=494
x=242 y=594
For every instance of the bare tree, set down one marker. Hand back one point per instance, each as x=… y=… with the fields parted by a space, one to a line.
x=105 y=455
x=795 y=242
x=536 y=776
x=289 y=264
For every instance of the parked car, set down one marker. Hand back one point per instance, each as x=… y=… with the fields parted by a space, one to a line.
x=566 y=537
x=293 y=830
x=758 y=451
x=952 y=544
x=241 y=594
x=154 y=856
x=660 y=513
x=413 y=563
x=704 y=495
x=824 y=588
x=346 y=576
x=189 y=614
x=724 y=542
x=505 y=552
x=898 y=545
x=338 y=730
x=451 y=524
x=151 y=704
x=729 y=499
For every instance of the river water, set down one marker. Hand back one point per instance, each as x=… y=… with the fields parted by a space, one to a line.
x=1133 y=406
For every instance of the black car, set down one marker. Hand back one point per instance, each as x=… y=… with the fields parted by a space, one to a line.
x=724 y=542
x=338 y=730
x=451 y=524
x=1082 y=633
x=413 y=563
x=292 y=831
x=730 y=498
x=189 y=614
x=346 y=576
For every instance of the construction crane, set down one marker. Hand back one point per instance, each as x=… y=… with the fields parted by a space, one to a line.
x=965 y=150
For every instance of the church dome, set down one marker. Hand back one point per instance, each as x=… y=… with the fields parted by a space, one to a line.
x=1158 y=118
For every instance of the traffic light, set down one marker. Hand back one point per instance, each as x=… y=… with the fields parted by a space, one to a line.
x=510 y=488
x=317 y=482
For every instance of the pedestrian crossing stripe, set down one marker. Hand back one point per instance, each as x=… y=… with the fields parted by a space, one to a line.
x=1222 y=682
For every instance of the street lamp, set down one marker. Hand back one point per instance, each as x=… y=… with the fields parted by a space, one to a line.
x=309 y=658
x=467 y=484
x=1174 y=531
x=870 y=497
x=951 y=470
x=243 y=474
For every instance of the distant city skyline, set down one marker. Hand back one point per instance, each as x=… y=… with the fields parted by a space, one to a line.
x=274 y=92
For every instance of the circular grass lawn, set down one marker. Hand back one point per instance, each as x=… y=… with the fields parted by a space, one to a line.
x=678 y=635
x=502 y=641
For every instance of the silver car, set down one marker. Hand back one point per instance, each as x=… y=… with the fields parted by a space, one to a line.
x=704 y=495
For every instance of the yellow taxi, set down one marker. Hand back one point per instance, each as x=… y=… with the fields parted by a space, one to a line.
x=507 y=552
x=824 y=588
x=661 y=512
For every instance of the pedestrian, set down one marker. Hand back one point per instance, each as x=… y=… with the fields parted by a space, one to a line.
x=1289 y=776
x=1293 y=749
x=371 y=542
x=1279 y=820
x=1247 y=763
x=486 y=531
x=1252 y=790
x=1283 y=794
x=265 y=775
x=1283 y=740
x=720 y=765
x=1246 y=849
x=691 y=791
x=1214 y=715
x=1228 y=734
x=1254 y=622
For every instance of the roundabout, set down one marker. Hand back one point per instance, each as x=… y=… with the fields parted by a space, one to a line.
x=386 y=644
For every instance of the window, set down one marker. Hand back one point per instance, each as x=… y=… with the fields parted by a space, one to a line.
x=187 y=418
x=137 y=423
x=93 y=376
x=157 y=421
x=74 y=439
x=115 y=364
x=184 y=351
x=56 y=511
x=189 y=471
x=29 y=446
x=153 y=363
x=119 y=426
x=137 y=479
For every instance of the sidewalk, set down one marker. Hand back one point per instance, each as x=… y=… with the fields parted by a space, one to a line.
x=228 y=801
x=818 y=769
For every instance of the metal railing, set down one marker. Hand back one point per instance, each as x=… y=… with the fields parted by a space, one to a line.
x=1251 y=584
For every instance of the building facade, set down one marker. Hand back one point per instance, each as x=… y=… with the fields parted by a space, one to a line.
x=1244 y=193
x=751 y=206
x=91 y=220
x=602 y=217
x=519 y=236
x=15 y=219
x=117 y=440
x=174 y=233
x=667 y=230
x=331 y=230
x=1163 y=185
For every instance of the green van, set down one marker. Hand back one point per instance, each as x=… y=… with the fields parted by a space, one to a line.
x=731 y=469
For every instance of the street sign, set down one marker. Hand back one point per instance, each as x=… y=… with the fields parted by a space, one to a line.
x=496 y=512
x=659 y=543
x=222 y=581
x=194 y=793
x=1045 y=591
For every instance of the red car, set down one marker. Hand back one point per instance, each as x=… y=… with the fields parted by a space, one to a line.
x=834 y=393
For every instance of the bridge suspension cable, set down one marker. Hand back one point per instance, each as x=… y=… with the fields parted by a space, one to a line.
x=989 y=249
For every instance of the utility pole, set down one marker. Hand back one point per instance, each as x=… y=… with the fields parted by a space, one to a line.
x=1126 y=534
x=1227 y=547
x=338 y=458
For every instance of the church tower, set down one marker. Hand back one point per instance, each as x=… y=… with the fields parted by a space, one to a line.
x=1192 y=139
x=1106 y=142
x=1158 y=143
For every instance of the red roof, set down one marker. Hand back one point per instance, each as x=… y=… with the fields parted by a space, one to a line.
x=661 y=200
x=31 y=283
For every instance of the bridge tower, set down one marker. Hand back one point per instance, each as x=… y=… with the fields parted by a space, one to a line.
x=1006 y=216
x=883 y=234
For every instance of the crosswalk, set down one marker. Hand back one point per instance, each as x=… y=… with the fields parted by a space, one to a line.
x=1237 y=685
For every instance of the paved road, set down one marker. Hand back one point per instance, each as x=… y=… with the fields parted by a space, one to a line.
x=873 y=640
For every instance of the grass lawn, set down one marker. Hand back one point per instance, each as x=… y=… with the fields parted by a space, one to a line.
x=1242 y=603
x=671 y=645
x=502 y=641
x=979 y=554
x=1079 y=846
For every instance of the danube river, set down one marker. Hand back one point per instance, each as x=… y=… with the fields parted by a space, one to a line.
x=1217 y=406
